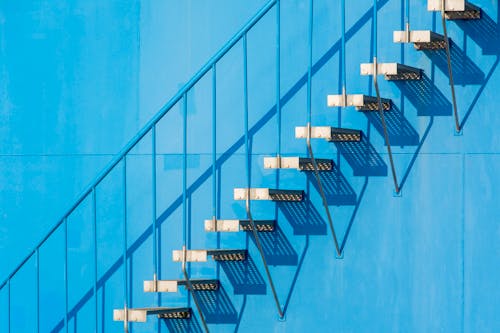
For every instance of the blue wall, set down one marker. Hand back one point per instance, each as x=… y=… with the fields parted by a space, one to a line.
x=78 y=80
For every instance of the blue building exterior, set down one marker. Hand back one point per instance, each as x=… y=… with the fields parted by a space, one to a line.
x=81 y=80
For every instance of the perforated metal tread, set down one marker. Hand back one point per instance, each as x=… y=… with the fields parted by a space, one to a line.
x=332 y=134
x=238 y=225
x=268 y=194
x=392 y=71
x=140 y=314
x=360 y=102
x=456 y=9
x=172 y=286
x=217 y=254
x=299 y=163
x=421 y=39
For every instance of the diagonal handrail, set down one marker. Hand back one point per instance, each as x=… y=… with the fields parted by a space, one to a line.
x=148 y=127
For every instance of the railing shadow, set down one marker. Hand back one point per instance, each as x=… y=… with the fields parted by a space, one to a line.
x=244 y=277
x=484 y=32
x=362 y=157
x=217 y=306
x=353 y=216
x=337 y=189
x=303 y=217
x=401 y=132
x=190 y=325
x=426 y=97
x=277 y=248
x=465 y=71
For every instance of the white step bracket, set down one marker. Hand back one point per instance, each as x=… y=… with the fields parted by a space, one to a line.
x=456 y=9
x=332 y=134
x=359 y=101
x=421 y=39
x=140 y=314
x=268 y=194
x=392 y=71
x=299 y=163
x=238 y=225
x=172 y=286
x=202 y=255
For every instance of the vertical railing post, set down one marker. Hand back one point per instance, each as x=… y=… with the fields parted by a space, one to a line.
x=379 y=100
x=37 y=263
x=125 y=264
x=153 y=208
x=8 y=304
x=308 y=141
x=214 y=144
x=66 y=274
x=248 y=176
x=94 y=236
x=278 y=78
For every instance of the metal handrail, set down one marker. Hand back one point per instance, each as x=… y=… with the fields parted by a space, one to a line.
x=145 y=130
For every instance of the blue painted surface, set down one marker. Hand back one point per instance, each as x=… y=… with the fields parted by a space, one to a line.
x=80 y=79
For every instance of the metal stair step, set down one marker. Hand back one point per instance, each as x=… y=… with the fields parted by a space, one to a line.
x=359 y=101
x=456 y=9
x=421 y=39
x=202 y=255
x=299 y=163
x=172 y=286
x=332 y=134
x=140 y=314
x=393 y=71
x=238 y=225
x=269 y=194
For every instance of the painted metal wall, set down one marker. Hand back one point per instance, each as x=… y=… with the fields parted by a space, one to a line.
x=80 y=79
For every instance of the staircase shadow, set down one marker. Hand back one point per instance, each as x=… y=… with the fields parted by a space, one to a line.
x=244 y=277
x=190 y=325
x=217 y=306
x=362 y=157
x=277 y=248
x=426 y=97
x=401 y=132
x=485 y=32
x=303 y=217
x=465 y=71
x=337 y=189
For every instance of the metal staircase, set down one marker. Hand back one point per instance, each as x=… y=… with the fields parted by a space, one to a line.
x=422 y=40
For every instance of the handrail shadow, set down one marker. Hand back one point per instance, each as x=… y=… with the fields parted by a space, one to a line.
x=190 y=325
x=277 y=248
x=253 y=283
x=426 y=97
x=244 y=277
x=217 y=306
x=303 y=217
x=465 y=71
x=401 y=132
x=362 y=157
x=337 y=189
x=353 y=215
x=485 y=32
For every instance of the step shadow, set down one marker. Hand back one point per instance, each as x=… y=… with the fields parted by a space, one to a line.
x=426 y=97
x=277 y=248
x=337 y=189
x=400 y=131
x=216 y=306
x=484 y=32
x=465 y=71
x=362 y=157
x=244 y=277
x=303 y=217
x=190 y=325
